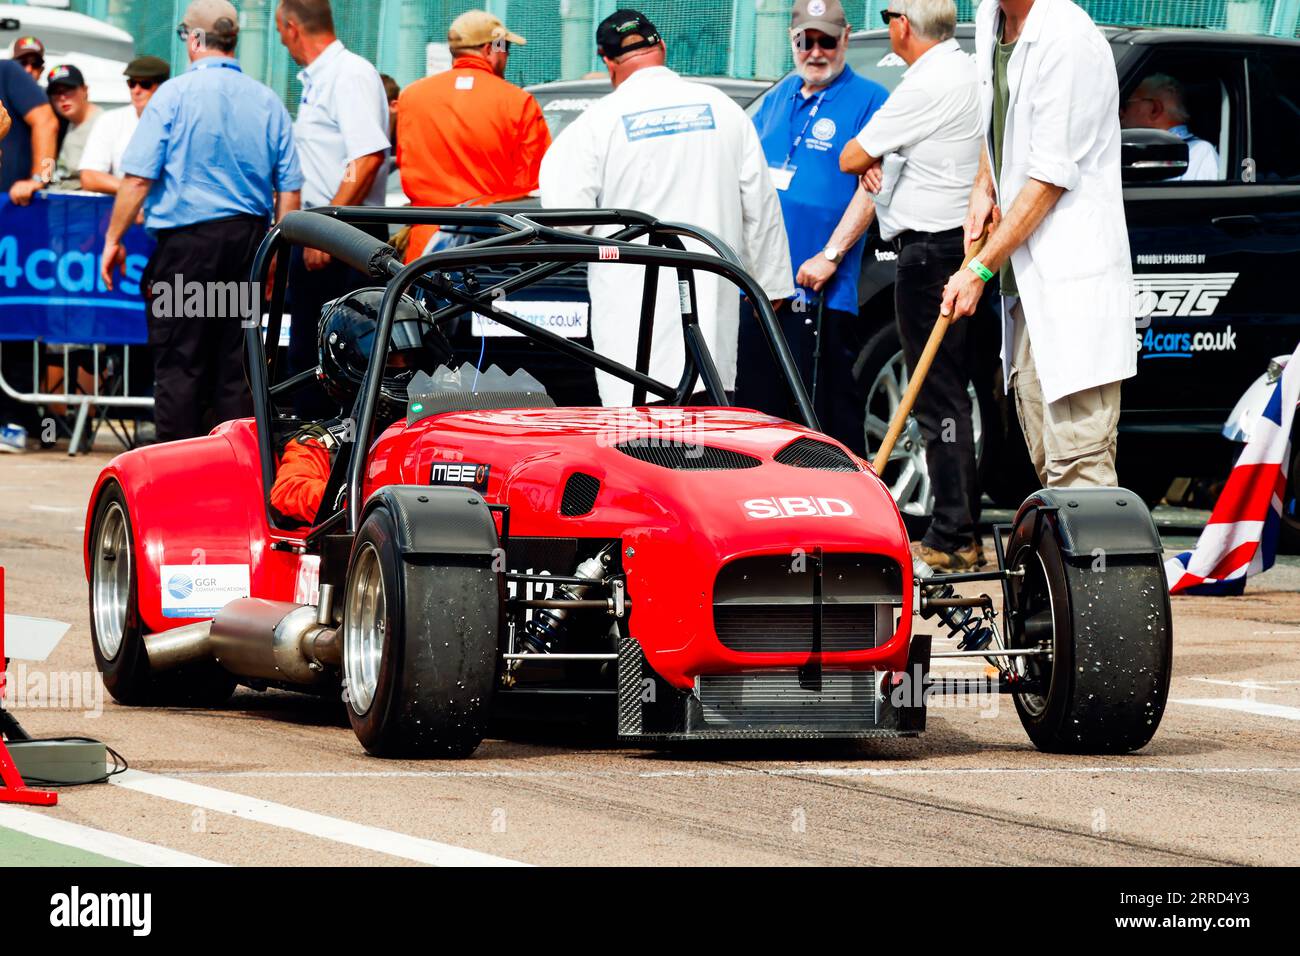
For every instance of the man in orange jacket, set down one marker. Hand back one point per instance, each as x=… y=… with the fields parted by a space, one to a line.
x=466 y=135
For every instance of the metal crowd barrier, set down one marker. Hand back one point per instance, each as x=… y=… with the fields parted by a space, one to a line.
x=116 y=377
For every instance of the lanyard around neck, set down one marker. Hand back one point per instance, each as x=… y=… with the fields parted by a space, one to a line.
x=812 y=114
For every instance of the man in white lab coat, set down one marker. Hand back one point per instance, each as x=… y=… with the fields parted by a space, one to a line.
x=1049 y=184
x=682 y=152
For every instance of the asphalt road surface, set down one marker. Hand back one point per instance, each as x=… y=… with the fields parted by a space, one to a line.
x=277 y=778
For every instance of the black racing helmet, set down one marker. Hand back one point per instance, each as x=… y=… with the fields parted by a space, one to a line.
x=347 y=334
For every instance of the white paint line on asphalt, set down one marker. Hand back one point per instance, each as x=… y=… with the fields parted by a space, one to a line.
x=56 y=509
x=712 y=772
x=100 y=842
x=1243 y=706
x=1247 y=684
x=304 y=821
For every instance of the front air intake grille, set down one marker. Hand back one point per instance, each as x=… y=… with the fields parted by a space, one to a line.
x=681 y=456
x=775 y=698
x=773 y=629
x=812 y=453
x=768 y=604
x=580 y=493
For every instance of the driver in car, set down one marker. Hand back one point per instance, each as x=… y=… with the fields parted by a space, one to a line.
x=347 y=332
x=1160 y=102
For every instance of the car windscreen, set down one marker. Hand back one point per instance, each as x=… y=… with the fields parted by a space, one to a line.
x=562 y=109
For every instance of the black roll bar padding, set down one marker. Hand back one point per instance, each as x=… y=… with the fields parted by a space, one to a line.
x=255 y=358
x=341 y=240
x=645 y=334
x=275 y=311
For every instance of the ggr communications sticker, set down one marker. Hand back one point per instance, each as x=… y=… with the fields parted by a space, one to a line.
x=201 y=590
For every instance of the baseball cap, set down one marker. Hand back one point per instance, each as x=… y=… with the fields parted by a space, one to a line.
x=64 y=75
x=625 y=23
x=824 y=15
x=474 y=28
x=217 y=17
x=25 y=46
x=148 y=68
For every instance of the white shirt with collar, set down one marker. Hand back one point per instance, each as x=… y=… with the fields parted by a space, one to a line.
x=932 y=120
x=683 y=152
x=1074 y=272
x=1202 y=158
x=342 y=116
x=108 y=141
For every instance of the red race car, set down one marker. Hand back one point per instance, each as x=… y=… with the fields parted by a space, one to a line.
x=689 y=572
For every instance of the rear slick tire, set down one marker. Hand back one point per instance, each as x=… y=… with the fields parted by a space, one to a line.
x=116 y=630
x=420 y=647
x=1109 y=627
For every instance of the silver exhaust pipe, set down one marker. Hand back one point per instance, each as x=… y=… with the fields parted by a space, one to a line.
x=255 y=639
x=168 y=650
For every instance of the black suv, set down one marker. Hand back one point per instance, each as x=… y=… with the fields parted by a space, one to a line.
x=1210 y=261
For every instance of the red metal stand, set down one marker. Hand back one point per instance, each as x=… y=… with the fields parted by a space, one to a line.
x=14 y=790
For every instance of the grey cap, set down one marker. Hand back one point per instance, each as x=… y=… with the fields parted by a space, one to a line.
x=824 y=15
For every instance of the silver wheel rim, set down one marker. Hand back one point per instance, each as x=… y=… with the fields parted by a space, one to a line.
x=906 y=472
x=111 y=585
x=1036 y=704
x=366 y=624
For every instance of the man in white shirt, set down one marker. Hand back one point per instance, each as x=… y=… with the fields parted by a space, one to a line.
x=101 y=161
x=931 y=124
x=1050 y=183
x=341 y=135
x=683 y=152
x=1160 y=102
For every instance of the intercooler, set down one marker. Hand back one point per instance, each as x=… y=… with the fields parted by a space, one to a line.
x=794 y=604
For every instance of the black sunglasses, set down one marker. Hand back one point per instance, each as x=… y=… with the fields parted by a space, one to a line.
x=27 y=62
x=824 y=42
x=143 y=84
x=887 y=15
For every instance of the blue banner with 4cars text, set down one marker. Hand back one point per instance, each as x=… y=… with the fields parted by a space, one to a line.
x=50 y=287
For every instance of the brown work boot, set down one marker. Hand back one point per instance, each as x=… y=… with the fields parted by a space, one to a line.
x=968 y=558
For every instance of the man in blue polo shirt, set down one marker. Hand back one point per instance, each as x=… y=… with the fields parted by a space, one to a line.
x=803 y=123
x=212 y=160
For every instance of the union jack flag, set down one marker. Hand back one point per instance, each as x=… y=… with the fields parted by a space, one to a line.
x=1241 y=536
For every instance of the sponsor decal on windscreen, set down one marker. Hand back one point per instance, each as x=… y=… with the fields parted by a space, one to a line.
x=569 y=319
x=668 y=122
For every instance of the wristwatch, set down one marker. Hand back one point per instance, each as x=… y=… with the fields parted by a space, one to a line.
x=833 y=255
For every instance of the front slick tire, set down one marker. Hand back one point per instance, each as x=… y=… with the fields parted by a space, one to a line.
x=1109 y=626
x=420 y=647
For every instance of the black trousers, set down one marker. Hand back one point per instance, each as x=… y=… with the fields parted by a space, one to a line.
x=198 y=360
x=306 y=295
x=943 y=407
x=839 y=402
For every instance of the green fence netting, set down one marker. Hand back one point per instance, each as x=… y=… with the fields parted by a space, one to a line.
x=733 y=37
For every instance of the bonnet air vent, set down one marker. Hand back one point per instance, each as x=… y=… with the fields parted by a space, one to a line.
x=811 y=453
x=681 y=456
x=580 y=493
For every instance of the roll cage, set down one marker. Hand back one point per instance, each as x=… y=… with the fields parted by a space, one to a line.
x=538 y=240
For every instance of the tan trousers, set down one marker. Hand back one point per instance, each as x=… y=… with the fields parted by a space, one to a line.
x=1071 y=440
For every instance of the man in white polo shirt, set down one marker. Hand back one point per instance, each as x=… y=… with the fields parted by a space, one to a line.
x=341 y=134
x=928 y=133
x=101 y=160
